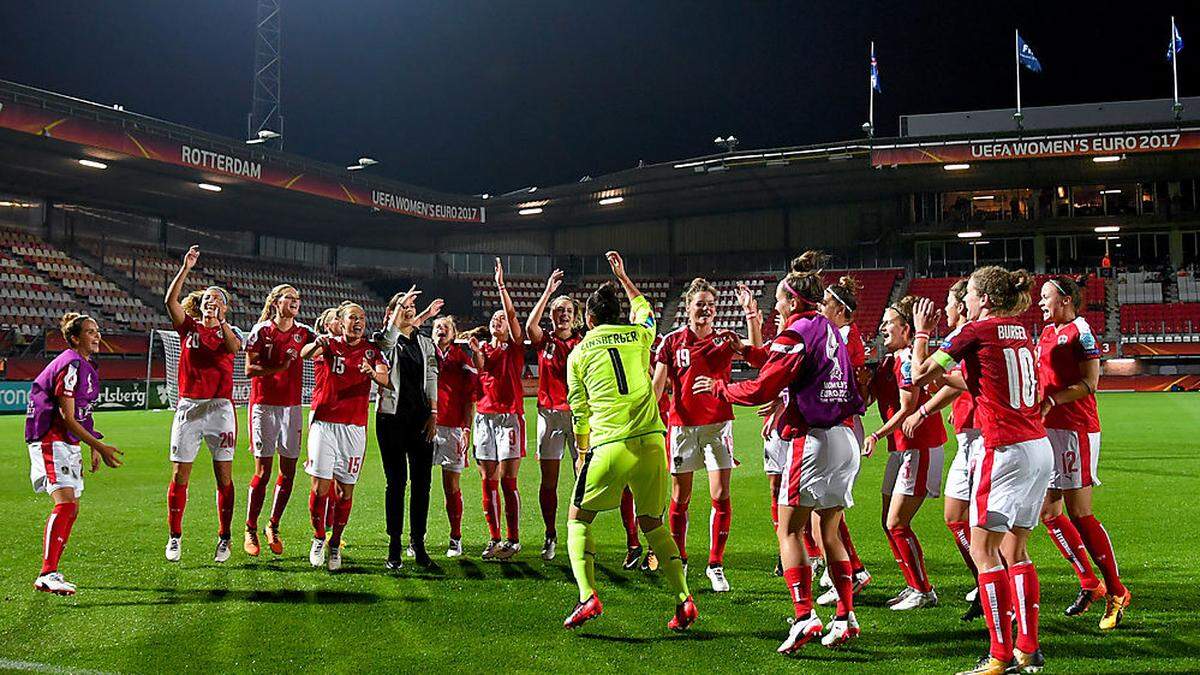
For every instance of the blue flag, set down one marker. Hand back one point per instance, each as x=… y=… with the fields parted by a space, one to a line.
x=875 y=72
x=1176 y=44
x=1026 y=57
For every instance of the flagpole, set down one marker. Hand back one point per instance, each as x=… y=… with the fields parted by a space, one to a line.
x=1017 y=56
x=871 y=94
x=1177 y=107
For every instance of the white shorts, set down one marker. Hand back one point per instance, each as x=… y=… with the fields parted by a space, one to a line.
x=820 y=469
x=915 y=473
x=276 y=428
x=335 y=451
x=211 y=420
x=708 y=446
x=499 y=436
x=1076 y=456
x=55 y=467
x=1009 y=485
x=775 y=451
x=450 y=447
x=958 y=478
x=555 y=432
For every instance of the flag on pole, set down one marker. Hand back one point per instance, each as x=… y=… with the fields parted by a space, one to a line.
x=1176 y=45
x=1026 y=57
x=875 y=84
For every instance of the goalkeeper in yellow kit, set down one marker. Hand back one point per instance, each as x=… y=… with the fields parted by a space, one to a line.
x=621 y=441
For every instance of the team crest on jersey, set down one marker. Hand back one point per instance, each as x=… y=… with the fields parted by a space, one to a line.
x=1063 y=339
x=370 y=354
x=296 y=337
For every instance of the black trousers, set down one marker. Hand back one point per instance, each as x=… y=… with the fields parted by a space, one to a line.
x=404 y=451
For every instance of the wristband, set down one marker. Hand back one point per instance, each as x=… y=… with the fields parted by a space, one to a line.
x=1050 y=397
x=500 y=287
x=922 y=334
x=924 y=413
x=874 y=437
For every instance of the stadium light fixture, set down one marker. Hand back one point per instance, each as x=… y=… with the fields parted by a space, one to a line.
x=262 y=136
x=363 y=162
x=1105 y=159
x=983 y=198
x=1102 y=229
x=209 y=187
x=1108 y=238
x=969 y=235
x=531 y=211
x=609 y=201
x=956 y=167
x=729 y=144
x=1113 y=191
x=93 y=164
x=980 y=242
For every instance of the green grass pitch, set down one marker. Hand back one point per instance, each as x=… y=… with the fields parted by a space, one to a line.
x=137 y=613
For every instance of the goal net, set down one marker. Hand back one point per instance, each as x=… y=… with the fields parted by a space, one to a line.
x=169 y=340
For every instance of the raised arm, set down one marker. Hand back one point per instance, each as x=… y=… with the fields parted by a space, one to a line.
x=924 y=369
x=754 y=320
x=533 y=326
x=510 y=312
x=618 y=268
x=174 y=309
x=315 y=349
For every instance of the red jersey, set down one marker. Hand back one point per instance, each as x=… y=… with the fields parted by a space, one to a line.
x=930 y=433
x=456 y=387
x=1060 y=352
x=1001 y=374
x=343 y=393
x=275 y=348
x=687 y=357
x=552 y=370
x=963 y=411
x=205 y=365
x=858 y=359
x=500 y=380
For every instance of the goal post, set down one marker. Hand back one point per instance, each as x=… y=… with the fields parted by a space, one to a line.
x=169 y=340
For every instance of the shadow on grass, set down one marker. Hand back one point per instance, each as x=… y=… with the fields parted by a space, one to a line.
x=687 y=636
x=172 y=596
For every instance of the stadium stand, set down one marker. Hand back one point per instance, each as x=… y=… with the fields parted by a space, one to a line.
x=1138 y=287
x=1169 y=318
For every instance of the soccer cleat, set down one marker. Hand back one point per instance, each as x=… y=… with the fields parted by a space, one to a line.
x=409 y=552
x=316 y=553
x=822 y=571
x=223 y=550
x=974 y=610
x=988 y=665
x=633 y=557
x=490 y=551
x=649 y=562
x=1028 y=663
x=174 y=548
x=394 y=565
x=827 y=598
x=915 y=600
x=908 y=590
x=422 y=559
x=335 y=558
x=1114 y=610
x=250 y=545
x=778 y=571
x=685 y=615
x=716 y=575
x=1084 y=600
x=548 y=548
x=862 y=579
x=273 y=540
x=454 y=550
x=584 y=612
x=507 y=550
x=53 y=582
x=800 y=633
x=972 y=595
x=841 y=631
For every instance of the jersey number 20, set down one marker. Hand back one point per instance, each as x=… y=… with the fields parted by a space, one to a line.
x=1022 y=378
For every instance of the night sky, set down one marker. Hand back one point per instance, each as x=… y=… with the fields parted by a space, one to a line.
x=490 y=96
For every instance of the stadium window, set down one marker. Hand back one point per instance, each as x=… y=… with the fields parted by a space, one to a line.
x=1191 y=249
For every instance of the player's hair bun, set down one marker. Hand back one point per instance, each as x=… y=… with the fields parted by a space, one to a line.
x=809 y=261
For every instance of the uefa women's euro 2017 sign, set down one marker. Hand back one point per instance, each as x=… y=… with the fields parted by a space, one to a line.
x=1084 y=145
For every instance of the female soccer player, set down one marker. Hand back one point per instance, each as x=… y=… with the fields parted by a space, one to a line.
x=620 y=437
x=809 y=358
x=701 y=429
x=337 y=436
x=457 y=379
x=554 y=433
x=58 y=419
x=914 y=464
x=204 y=411
x=276 y=374
x=500 y=422
x=1069 y=370
x=958 y=478
x=1013 y=470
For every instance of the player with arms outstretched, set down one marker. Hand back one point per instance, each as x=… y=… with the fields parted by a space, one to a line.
x=204 y=412
x=620 y=439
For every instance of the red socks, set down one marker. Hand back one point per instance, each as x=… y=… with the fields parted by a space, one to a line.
x=548 y=499
x=1026 y=594
x=913 y=557
x=810 y=544
x=224 y=509
x=677 y=517
x=842 y=574
x=962 y=539
x=491 y=507
x=317 y=506
x=1066 y=538
x=58 y=530
x=283 y=492
x=341 y=515
x=799 y=583
x=254 y=502
x=848 y=544
x=512 y=508
x=629 y=519
x=995 y=597
x=454 y=511
x=718 y=529
x=895 y=545
x=775 y=513
x=177 y=494
x=1095 y=538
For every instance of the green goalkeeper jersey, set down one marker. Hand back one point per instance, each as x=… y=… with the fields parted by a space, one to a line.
x=608 y=380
